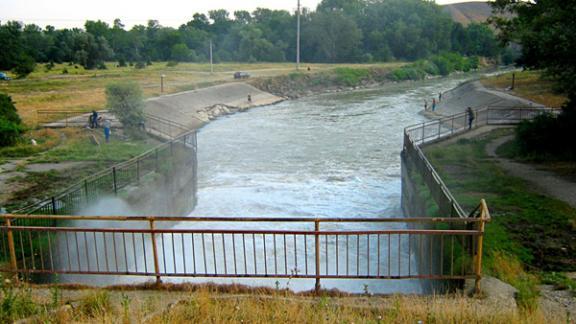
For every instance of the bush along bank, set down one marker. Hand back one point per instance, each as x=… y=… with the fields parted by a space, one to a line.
x=438 y=65
x=305 y=83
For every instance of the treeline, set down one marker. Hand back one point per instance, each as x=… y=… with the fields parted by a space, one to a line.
x=338 y=31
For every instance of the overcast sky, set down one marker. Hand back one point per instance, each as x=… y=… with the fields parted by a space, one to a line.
x=73 y=13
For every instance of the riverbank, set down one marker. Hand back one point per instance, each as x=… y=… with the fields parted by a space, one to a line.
x=530 y=238
x=236 y=304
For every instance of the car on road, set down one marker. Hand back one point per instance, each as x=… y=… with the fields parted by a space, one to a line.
x=241 y=75
x=4 y=77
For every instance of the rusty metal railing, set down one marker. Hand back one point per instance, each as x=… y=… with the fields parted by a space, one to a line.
x=67 y=118
x=178 y=153
x=240 y=247
x=445 y=127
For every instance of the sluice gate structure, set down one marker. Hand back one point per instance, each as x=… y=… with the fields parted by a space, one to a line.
x=53 y=238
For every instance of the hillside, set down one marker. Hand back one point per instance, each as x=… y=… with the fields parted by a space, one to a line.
x=469 y=12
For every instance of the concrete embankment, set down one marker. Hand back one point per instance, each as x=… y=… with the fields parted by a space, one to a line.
x=195 y=108
x=474 y=94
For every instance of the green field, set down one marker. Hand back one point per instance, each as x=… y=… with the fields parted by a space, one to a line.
x=70 y=87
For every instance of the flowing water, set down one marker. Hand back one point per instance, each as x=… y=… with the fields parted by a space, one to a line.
x=332 y=155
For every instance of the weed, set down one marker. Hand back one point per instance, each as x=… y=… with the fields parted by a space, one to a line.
x=559 y=280
x=96 y=304
x=16 y=303
x=125 y=302
x=55 y=296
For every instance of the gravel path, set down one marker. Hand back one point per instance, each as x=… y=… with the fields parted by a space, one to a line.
x=546 y=181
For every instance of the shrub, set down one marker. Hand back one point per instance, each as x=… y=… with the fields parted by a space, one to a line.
x=445 y=67
x=549 y=137
x=140 y=65
x=171 y=63
x=24 y=66
x=10 y=123
x=351 y=77
x=125 y=101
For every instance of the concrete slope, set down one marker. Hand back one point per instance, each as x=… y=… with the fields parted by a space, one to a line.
x=193 y=108
x=474 y=94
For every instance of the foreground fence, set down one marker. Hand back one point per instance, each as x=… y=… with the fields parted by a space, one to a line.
x=240 y=247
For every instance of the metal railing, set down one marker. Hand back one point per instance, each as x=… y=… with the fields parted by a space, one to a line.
x=240 y=248
x=164 y=128
x=435 y=130
x=179 y=153
x=67 y=118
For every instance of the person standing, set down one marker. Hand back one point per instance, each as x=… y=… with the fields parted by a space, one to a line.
x=425 y=105
x=433 y=104
x=439 y=96
x=471 y=117
x=94 y=119
x=107 y=129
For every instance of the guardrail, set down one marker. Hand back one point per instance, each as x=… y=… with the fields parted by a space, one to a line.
x=240 y=247
x=438 y=129
x=164 y=128
x=68 y=118
x=167 y=157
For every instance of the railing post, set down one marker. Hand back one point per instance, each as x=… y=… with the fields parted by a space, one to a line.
x=157 y=166
x=317 y=255
x=138 y=171
x=12 y=250
x=439 y=128
x=66 y=118
x=114 y=179
x=86 y=191
x=423 y=127
x=480 y=239
x=53 y=205
x=155 y=252
x=452 y=128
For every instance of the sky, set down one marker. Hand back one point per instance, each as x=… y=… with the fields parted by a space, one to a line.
x=73 y=13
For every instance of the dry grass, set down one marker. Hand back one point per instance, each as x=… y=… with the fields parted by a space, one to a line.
x=82 y=90
x=205 y=306
x=529 y=85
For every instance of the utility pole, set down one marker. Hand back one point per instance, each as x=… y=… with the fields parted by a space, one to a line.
x=211 y=62
x=298 y=37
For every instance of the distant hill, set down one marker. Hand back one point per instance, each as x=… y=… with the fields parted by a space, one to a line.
x=469 y=12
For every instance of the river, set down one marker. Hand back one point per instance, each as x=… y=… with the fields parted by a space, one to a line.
x=331 y=155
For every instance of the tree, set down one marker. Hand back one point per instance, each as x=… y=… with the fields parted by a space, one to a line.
x=10 y=123
x=125 y=101
x=335 y=36
x=24 y=66
x=547 y=33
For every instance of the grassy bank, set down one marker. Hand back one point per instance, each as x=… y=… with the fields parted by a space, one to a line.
x=70 y=87
x=45 y=169
x=528 y=84
x=206 y=305
x=528 y=231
